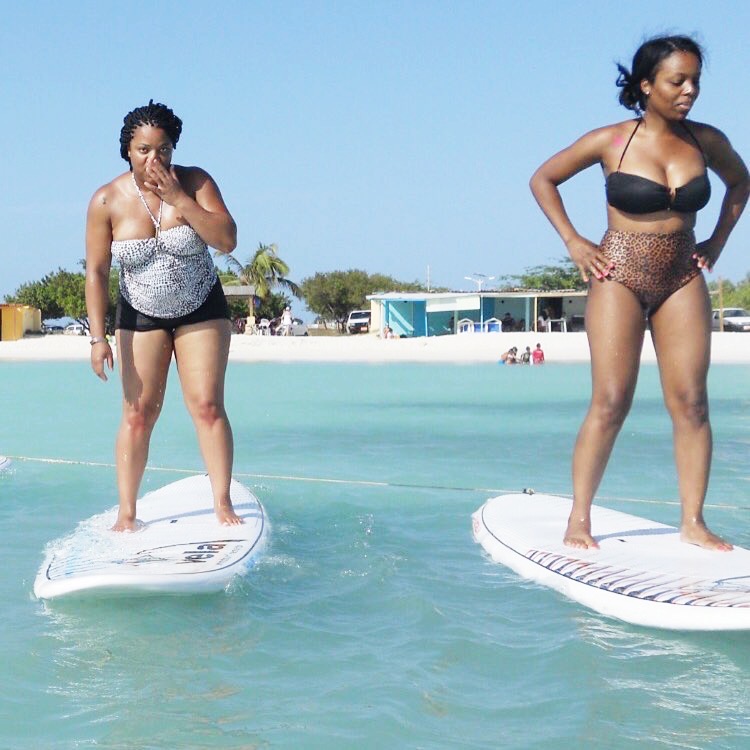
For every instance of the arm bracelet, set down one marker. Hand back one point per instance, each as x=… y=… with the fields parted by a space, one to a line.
x=98 y=340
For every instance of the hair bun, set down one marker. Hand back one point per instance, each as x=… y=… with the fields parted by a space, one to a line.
x=624 y=79
x=630 y=95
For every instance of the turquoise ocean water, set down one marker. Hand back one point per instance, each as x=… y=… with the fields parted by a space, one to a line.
x=374 y=621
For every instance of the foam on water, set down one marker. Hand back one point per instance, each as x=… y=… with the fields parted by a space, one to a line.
x=95 y=537
x=373 y=620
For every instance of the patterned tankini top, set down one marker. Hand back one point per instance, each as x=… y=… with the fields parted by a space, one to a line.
x=165 y=276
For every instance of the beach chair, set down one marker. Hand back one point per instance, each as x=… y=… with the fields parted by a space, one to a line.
x=264 y=327
x=465 y=325
x=493 y=325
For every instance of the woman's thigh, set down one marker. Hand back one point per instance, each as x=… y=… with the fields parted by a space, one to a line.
x=144 y=358
x=681 y=329
x=615 y=325
x=201 y=351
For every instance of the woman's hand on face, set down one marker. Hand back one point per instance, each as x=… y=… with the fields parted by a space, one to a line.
x=706 y=254
x=588 y=259
x=163 y=181
x=101 y=354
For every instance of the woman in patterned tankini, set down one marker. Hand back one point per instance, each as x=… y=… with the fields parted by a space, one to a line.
x=647 y=269
x=157 y=221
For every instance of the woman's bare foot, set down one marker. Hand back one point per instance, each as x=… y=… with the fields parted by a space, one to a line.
x=127 y=524
x=225 y=514
x=578 y=533
x=696 y=532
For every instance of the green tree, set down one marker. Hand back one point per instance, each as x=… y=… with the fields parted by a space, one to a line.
x=272 y=306
x=333 y=295
x=266 y=271
x=39 y=294
x=741 y=296
x=63 y=293
x=732 y=295
x=565 y=275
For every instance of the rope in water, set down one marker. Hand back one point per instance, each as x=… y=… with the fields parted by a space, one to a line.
x=361 y=482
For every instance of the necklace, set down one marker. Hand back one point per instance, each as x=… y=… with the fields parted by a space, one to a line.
x=155 y=219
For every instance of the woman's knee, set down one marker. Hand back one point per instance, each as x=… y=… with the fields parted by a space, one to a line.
x=688 y=405
x=610 y=407
x=206 y=410
x=140 y=417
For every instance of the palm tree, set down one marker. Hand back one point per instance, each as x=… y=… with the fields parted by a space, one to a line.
x=265 y=271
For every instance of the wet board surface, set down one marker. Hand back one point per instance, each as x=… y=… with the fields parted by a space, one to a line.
x=181 y=549
x=642 y=574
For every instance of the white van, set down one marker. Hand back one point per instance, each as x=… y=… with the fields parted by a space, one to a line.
x=74 y=329
x=358 y=321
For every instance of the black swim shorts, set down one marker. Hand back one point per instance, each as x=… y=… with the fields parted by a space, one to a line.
x=214 y=308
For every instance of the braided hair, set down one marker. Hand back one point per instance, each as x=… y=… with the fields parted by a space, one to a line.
x=646 y=62
x=156 y=115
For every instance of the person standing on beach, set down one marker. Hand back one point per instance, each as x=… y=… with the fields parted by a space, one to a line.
x=157 y=220
x=537 y=356
x=647 y=268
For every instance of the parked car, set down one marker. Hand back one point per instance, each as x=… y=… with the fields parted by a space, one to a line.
x=358 y=321
x=735 y=319
x=74 y=329
x=298 y=327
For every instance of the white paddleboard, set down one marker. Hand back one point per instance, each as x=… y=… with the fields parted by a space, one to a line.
x=5 y=463
x=181 y=549
x=642 y=573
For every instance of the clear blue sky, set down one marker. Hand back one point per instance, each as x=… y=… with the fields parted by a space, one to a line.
x=388 y=136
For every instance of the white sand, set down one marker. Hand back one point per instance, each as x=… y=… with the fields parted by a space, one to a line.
x=459 y=349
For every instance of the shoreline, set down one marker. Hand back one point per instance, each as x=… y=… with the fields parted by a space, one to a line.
x=726 y=348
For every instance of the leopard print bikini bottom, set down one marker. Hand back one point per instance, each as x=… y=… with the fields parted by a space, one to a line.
x=652 y=266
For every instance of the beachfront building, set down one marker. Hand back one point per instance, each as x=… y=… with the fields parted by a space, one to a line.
x=246 y=293
x=413 y=314
x=18 y=320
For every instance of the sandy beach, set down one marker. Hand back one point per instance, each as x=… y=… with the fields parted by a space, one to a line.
x=458 y=349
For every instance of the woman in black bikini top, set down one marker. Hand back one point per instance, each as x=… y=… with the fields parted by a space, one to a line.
x=647 y=269
x=634 y=194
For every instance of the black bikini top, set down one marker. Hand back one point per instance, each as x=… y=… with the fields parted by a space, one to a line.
x=639 y=195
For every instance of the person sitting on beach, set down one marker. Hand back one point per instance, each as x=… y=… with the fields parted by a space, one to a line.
x=388 y=333
x=647 y=270
x=537 y=356
x=157 y=220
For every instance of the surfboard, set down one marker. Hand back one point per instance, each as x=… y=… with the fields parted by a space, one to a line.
x=641 y=574
x=180 y=549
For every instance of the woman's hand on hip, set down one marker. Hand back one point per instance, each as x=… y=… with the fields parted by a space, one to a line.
x=588 y=258
x=706 y=254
